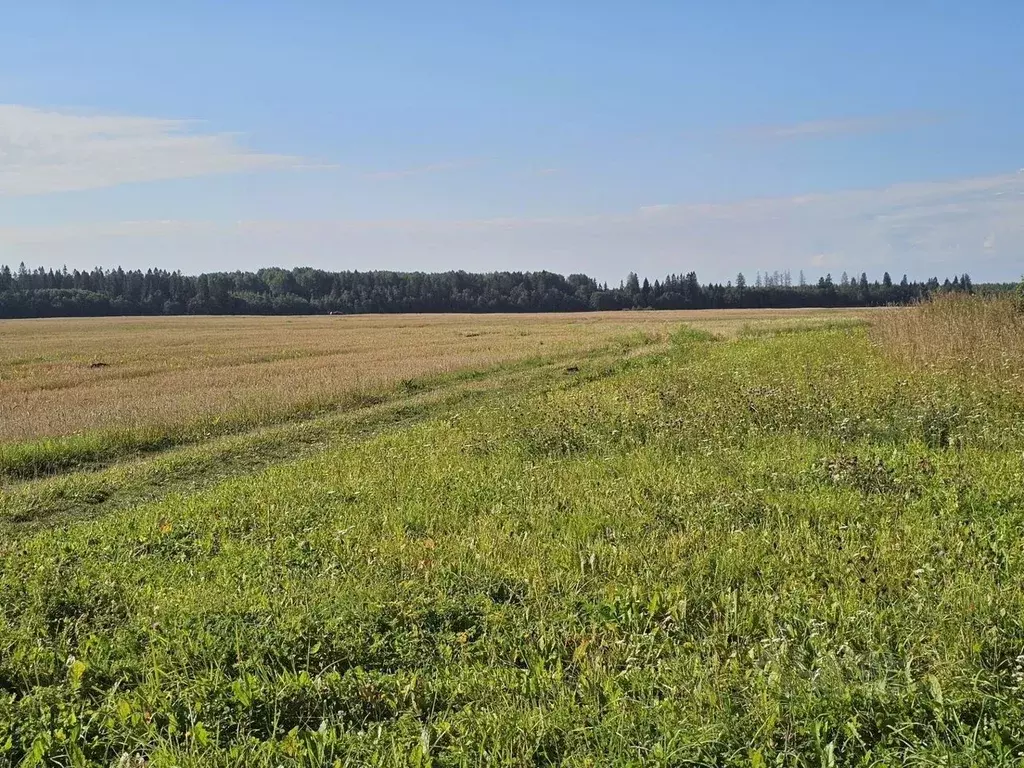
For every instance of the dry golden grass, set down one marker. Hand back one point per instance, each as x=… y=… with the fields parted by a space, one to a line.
x=960 y=333
x=175 y=370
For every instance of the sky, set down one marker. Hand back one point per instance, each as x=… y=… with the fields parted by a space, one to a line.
x=599 y=137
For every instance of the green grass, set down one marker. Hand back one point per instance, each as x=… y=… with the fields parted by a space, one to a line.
x=775 y=327
x=88 y=492
x=778 y=550
x=38 y=458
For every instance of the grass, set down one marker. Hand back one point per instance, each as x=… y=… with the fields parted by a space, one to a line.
x=93 y=450
x=169 y=382
x=88 y=491
x=164 y=372
x=771 y=549
x=960 y=333
x=773 y=327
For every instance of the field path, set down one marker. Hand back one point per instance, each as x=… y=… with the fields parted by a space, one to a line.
x=124 y=482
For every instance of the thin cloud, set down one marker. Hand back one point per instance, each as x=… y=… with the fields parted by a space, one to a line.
x=423 y=170
x=45 y=151
x=974 y=224
x=822 y=260
x=106 y=230
x=844 y=126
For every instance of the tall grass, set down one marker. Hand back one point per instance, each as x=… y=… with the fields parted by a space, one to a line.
x=958 y=333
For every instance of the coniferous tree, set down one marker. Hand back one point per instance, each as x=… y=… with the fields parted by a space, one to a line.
x=42 y=292
x=632 y=285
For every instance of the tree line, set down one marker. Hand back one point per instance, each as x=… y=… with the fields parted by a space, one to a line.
x=276 y=291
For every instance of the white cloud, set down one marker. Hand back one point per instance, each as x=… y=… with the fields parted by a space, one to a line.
x=51 y=151
x=974 y=225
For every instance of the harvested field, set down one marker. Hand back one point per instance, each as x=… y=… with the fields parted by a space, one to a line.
x=165 y=371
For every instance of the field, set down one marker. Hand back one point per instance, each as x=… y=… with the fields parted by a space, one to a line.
x=749 y=539
x=103 y=388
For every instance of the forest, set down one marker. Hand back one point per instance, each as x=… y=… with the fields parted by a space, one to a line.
x=28 y=293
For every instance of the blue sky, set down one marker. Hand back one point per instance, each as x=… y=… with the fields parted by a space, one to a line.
x=592 y=137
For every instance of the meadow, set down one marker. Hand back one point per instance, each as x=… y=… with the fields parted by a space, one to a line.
x=666 y=539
